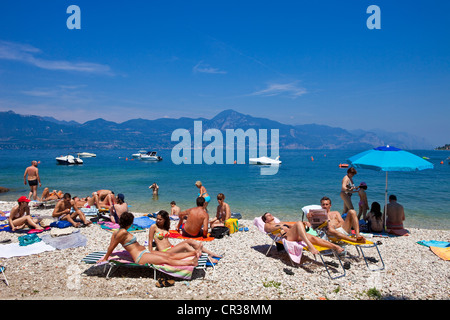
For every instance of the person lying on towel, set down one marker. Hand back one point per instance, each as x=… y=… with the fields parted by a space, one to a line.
x=295 y=231
x=141 y=255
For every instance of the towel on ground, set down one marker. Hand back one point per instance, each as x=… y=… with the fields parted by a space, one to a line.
x=175 y=234
x=443 y=253
x=73 y=240
x=143 y=222
x=434 y=243
x=15 y=250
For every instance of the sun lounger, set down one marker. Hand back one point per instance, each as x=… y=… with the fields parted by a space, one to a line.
x=2 y=269
x=122 y=258
x=295 y=249
x=360 y=247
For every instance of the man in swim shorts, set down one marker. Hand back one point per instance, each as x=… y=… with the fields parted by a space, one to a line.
x=63 y=211
x=33 y=179
x=196 y=223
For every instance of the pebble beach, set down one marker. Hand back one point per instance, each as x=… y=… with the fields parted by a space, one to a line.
x=412 y=271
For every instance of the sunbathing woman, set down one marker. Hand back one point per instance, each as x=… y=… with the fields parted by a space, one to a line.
x=138 y=252
x=295 y=231
x=160 y=233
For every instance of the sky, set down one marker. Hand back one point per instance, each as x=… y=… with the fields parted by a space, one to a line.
x=296 y=62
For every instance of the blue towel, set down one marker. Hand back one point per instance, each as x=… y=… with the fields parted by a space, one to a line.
x=435 y=243
x=143 y=222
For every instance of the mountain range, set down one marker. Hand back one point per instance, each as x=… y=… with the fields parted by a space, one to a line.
x=36 y=132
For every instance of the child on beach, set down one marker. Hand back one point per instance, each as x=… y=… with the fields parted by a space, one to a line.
x=363 y=204
x=374 y=218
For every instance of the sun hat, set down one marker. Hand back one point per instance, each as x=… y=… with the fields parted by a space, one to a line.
x=23 y=199
x=363 y=184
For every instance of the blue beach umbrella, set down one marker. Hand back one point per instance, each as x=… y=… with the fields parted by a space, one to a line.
x=388 y=158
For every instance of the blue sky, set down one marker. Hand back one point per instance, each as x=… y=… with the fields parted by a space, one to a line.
x=296 y=62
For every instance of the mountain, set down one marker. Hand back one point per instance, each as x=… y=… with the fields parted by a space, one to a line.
x=35 y=132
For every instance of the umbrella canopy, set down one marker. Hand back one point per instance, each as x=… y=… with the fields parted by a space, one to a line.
x=388 y=158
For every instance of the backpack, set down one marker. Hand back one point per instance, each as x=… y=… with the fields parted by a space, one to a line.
x=219 y=232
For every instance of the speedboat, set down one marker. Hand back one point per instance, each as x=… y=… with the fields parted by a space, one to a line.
x=86 y=155
x=151 y=156
x=265 y=161
x=139 y=154
x=68 y=160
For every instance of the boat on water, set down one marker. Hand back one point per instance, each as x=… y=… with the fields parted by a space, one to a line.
x=265 y=161
x=68 y=160
x=343 y=165
x=139 y=154
x=86 y=155
x=150 y=156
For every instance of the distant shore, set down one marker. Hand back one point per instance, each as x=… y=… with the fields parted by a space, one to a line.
x=412 y=271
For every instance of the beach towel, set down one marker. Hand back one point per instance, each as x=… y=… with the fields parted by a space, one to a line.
x=28 y=239
x=73 y=240
x=175 y=234
x=15 y=250
x=434 y=243
x=87 y=211
x=111 y=227
x=294 y=249
x=443 y=253
x=143 y=222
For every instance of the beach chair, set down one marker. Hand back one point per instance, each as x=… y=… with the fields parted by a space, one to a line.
x=319 y=225
x=295 y=249
x=2 y=269
x=123 y=259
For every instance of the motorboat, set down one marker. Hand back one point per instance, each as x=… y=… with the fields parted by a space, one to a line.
x=265 y=161
x=68 y=160
x=139 y=154
x=151 y=156
x=86 y=155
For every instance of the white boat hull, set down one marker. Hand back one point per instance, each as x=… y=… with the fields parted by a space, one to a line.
x=68 y=160
x=264 y=161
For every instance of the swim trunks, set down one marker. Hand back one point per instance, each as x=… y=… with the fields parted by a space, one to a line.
x=32 y=183
x=184 y=233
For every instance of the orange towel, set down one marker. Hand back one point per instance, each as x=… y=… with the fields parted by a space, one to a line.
x=443 y=253
x=176 y=235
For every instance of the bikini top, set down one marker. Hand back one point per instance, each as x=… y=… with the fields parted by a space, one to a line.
x=161 y=235
x=133 y=240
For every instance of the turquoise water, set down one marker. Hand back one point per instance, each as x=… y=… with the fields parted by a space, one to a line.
x=300 y=181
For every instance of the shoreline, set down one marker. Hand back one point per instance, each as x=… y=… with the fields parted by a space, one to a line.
x=412 y=271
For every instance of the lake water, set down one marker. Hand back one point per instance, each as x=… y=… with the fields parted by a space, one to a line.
x=303 y=178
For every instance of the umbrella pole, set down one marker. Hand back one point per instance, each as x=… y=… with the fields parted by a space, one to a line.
x=385 y=201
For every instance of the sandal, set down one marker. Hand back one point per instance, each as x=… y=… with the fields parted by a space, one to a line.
x=162 y=283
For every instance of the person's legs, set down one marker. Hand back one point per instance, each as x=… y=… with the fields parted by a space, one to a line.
x=158 y=258
x=351 y=221
x=297 y=232
x=324 y=243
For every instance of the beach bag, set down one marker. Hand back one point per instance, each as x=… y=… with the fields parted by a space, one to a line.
x=60 y=224
x=316 y=217
x=232 y=224
x=219 y=232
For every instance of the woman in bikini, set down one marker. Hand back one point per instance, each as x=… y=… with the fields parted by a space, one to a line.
x=203 y=193
x=347 y=189
x=138 y=252
x=159 y=232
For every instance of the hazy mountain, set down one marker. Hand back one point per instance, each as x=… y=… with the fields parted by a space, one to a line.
x=35 y=132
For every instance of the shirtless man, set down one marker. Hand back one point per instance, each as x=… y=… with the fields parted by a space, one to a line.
x=174 y=209
x=339 y=228
x=395 y=214
x=295 y=231
x=33 y=179
x=87 y=202
x=223 y=212
x=20 y=216
x=118 y=208
x=63 y=208
x=197 y=219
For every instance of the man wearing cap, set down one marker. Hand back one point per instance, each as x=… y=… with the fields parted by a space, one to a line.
x=33 y=179
x=20 y=217
x=118 y=208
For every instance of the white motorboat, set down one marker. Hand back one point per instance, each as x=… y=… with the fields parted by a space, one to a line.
x=265 y=161
x=68 y=160
x=151 y=156
x=139 y=154
x=86 y=155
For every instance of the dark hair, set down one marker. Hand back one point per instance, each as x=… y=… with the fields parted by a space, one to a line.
x=352 y=170
x=220 y=196
x=263 y=218
x=67 y=196
x=126 y=219
x=165 y=216
x=375 y=208
x=173 y=202
x=392 y=197
x=200 y=201
x=325 y=198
